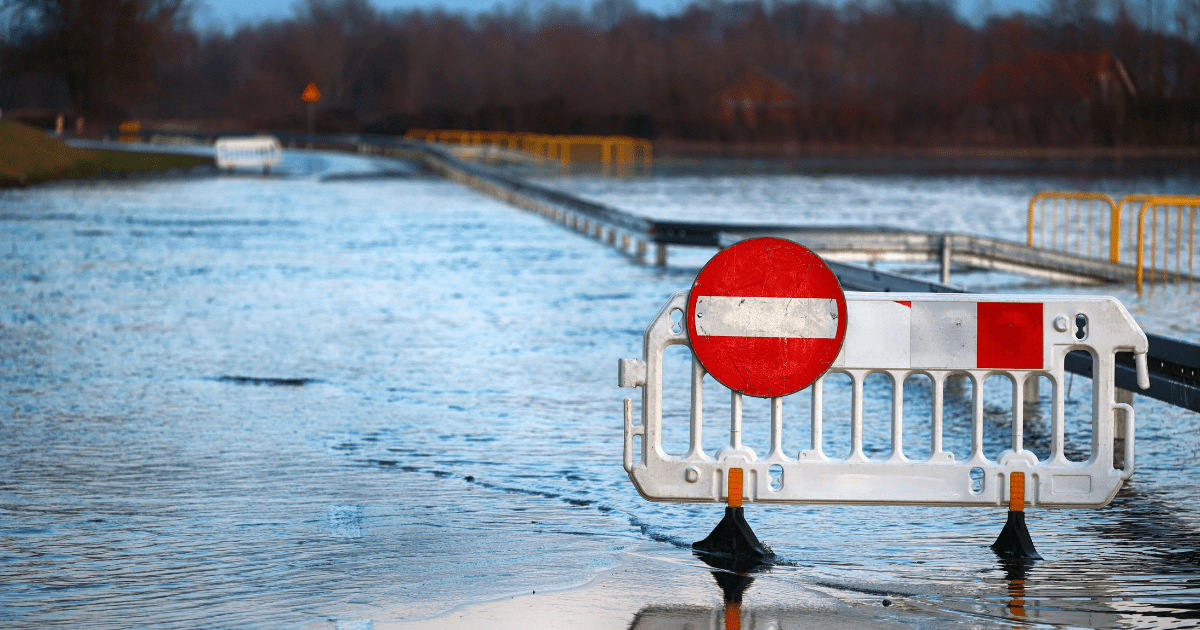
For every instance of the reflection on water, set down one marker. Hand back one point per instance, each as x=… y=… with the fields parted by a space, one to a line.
x=265 y=402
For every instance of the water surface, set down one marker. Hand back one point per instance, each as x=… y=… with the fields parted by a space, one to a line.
x=283 y=401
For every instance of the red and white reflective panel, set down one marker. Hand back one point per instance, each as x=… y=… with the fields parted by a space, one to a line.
x=945 y=334
x=766 y=317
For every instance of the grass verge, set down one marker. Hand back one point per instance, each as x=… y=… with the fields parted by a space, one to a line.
x=29 y=156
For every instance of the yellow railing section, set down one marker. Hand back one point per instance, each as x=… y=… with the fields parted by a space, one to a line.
x=609 y=151
x=129 y=131
x=1179 y=251
x=1077 y=222
x=1083 y=223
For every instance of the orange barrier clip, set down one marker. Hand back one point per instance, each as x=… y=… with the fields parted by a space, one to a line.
x=1016 y=491
x=735 y=487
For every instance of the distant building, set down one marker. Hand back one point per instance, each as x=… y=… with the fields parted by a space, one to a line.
x=1071 y=77
x=759 y=99
x=1050 y=98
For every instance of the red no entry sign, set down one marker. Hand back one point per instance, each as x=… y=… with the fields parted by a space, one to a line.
x=766 y=317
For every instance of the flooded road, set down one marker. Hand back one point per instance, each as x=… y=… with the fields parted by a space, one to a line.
x=314 y=401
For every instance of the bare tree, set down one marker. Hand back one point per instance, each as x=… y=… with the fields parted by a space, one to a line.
x=105 y=50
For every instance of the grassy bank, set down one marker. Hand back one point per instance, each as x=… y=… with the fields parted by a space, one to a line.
x=29 y=156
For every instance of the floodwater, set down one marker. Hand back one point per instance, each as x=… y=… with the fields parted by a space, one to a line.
x=304 y=400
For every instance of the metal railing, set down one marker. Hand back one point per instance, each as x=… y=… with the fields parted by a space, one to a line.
x=1074 y=222
x=1180 y=250
x=621 y=152
x=1068 y=212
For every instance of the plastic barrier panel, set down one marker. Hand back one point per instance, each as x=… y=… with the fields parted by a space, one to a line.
x=897 y=334
x=249 y=152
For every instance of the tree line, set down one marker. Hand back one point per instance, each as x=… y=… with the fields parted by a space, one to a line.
x=883 y=73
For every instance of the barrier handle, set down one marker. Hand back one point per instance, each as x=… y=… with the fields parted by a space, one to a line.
x=631 y=431
x=1143 y=373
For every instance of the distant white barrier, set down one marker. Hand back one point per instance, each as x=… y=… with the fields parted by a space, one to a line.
x=249 y=152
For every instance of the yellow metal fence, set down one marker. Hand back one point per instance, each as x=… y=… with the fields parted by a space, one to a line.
x=1077 y=222
x=1162 y=228
x=1176 y=252
x=621 y=152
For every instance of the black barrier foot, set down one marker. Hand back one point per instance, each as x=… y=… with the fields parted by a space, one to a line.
x=1014 y=542
x=733 y=538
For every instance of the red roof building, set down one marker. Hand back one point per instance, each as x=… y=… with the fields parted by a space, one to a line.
x=1048 y=76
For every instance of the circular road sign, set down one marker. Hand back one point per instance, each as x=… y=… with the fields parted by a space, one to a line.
x=766 y=317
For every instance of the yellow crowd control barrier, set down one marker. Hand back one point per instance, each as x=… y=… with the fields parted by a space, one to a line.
x=1174 y=248
x=1077 y=222
x=130 y=130
x=609 y=151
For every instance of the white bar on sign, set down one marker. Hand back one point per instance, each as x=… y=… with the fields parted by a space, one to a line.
x=732 y=316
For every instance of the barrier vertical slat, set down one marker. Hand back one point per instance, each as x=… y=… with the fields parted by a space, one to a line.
x=1054 y=224
x=1178 y=240
x=935 y=437
x=976 y=418
x=735 y=420
x=776 y=429
x=696 y=430
x=1058 y=426
x=856 y=417
x=1104 y=364
x=818 y=404
x=1089 y=227
x=1079 y=240
x=1153 y=239
x=1018 y=414
x=897 y=418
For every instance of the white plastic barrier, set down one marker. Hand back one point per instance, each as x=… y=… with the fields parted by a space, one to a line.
x=937 y=335
x=249 y=152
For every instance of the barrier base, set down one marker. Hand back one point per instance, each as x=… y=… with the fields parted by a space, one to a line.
x=732 y=537
x=1014 y=541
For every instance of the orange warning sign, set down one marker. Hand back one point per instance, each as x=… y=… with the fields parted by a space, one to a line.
x=311 y=94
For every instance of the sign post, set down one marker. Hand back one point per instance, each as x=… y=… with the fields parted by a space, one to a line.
x=311 y=95
x=766 y=317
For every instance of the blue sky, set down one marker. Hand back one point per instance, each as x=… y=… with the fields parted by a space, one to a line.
x=228 y=14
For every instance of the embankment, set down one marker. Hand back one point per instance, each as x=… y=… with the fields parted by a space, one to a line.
x=29 y=156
